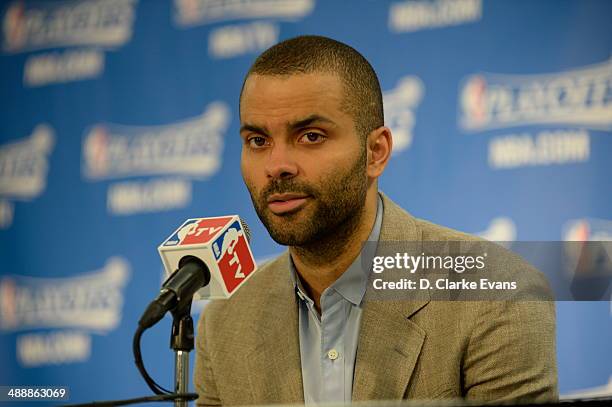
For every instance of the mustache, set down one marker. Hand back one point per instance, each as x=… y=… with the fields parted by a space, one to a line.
x=280 y=186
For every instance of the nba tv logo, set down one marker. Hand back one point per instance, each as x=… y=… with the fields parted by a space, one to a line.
x=232 y=255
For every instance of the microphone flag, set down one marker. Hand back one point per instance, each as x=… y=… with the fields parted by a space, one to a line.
x=221 y=243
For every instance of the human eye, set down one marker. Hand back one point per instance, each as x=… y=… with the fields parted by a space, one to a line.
x=256 y=142
x=312 y=138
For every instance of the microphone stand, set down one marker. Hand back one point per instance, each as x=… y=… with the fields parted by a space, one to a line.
x=181 y=341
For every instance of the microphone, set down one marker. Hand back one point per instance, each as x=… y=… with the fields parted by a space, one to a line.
x=205 y=258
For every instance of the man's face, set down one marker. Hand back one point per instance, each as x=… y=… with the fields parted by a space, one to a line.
x=302 y=160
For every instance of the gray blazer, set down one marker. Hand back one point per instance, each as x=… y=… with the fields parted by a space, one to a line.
x=248 y=349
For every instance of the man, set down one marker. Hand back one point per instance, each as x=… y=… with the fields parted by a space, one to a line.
x=302 y=329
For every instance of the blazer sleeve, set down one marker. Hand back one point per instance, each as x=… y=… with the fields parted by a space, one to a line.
x=204 y=379
x=511 y=354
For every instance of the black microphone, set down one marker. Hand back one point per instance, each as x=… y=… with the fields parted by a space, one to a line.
x=177 y=290
x=223 y=243
x=191 y=275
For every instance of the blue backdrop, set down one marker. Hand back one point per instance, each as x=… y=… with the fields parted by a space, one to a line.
x=119 y=120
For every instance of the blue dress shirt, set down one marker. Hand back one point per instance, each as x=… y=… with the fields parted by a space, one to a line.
x=328 y=344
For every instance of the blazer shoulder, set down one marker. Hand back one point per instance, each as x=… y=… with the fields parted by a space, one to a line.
x=433 y=232
x=501 y=262
x=399 y=224
x=271 y=276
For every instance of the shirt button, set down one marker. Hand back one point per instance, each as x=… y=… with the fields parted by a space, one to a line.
x=332 y=354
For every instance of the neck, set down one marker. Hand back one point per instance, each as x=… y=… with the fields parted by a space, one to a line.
x=321 y=263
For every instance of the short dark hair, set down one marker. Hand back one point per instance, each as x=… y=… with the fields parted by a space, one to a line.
x=312 y=53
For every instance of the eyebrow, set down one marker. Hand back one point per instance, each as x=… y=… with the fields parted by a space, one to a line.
x=254 y=129
x=291 y=126
x=314 y=118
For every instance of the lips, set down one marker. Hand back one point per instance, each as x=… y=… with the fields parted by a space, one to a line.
x=285 y=203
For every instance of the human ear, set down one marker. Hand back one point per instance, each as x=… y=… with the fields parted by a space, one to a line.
x=379 y=146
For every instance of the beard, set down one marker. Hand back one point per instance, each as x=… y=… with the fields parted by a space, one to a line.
x=333 y=209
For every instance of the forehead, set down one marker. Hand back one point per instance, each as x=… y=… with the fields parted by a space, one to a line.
x=270 y=97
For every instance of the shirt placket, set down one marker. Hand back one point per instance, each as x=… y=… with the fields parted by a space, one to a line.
x=332 y=347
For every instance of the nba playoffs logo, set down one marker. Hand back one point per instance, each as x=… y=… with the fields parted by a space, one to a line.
x=400 y=105
x=59 y=315
x=197 y=12
x=233 y=256
x=579 y=97
x=86 y=301
x=192 y=147
x=44 y=24
x=24 y=166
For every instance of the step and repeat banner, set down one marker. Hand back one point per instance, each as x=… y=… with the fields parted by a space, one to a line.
x=119 y=120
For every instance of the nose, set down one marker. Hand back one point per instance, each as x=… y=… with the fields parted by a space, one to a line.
x=281 y=163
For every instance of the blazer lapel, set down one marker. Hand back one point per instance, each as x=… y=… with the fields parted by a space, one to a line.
x=389 y=343
x=389 y=347
x=275 y=360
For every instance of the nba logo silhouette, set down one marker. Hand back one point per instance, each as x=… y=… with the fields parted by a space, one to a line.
x=233 y=256
x=180 y=234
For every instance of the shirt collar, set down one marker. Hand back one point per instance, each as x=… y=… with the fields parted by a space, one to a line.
x=352 y=283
